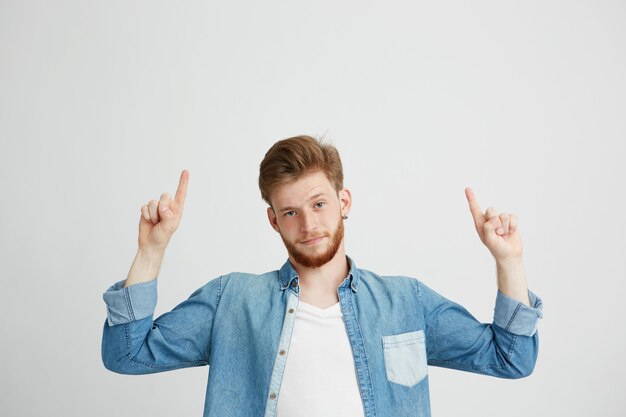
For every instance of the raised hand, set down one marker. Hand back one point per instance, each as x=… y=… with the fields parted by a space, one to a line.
x=497 y=231
x=159 y=219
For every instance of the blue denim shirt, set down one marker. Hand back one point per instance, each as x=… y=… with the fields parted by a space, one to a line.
x=240 y=325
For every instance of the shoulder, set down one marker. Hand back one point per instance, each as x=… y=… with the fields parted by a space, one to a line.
x=399 y=282
x=243 y=282
x=237 y=286
x=238 y=280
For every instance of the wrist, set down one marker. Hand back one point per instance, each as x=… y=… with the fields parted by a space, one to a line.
x=145 y=267
x=515 y=261
x=150 y=253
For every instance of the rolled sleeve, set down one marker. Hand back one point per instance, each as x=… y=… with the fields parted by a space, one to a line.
x=126 y=304
x=516 y=317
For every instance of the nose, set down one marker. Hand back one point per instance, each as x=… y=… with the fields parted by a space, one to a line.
x=307 y=223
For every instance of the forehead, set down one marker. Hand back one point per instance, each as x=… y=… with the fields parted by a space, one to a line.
x=299 y=191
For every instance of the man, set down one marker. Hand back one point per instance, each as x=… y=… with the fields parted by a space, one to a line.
x=319 y=337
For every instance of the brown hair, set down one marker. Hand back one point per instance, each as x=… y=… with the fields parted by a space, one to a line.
x=291 y=158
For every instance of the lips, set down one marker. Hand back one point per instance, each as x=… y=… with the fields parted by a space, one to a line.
x=312 y=241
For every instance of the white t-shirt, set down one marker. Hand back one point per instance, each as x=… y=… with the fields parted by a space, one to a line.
x=320 y=378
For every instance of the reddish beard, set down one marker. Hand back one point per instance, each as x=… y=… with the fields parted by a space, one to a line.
x=315 y=261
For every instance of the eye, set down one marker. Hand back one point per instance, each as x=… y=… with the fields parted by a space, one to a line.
x=286 y=214
x=320 y=202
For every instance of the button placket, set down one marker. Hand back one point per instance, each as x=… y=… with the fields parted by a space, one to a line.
x=281 y=357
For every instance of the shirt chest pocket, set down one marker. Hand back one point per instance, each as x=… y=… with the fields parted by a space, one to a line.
x=405 y=357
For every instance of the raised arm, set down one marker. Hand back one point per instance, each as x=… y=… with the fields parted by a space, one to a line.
x=508 y=346
x=134 y=343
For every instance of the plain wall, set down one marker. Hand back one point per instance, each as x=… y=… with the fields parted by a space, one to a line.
x=103 y=104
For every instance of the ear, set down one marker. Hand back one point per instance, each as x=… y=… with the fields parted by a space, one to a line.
x=271 y=216
x=345 y=201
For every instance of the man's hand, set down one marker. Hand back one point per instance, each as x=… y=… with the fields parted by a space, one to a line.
x=497 y=231
x=158 y=222
x=159 y=219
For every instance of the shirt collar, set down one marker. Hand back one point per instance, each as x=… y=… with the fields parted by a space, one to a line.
x=287 y=274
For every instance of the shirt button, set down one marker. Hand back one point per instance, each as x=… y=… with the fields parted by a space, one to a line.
x=294 y=283
x=273 y=396
x=291 y=310
x=282 y=352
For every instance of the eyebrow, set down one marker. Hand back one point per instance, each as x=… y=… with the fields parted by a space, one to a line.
x=312 y=198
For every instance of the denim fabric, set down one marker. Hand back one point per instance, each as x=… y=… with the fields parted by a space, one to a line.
x=240 y=324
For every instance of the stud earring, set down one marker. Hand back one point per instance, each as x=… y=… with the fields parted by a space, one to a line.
x=345 y=216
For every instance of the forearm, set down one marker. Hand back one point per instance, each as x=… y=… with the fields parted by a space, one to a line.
x=145 y=267
x=512 y=279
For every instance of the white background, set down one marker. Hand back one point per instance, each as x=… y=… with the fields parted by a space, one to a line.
x=103 y=104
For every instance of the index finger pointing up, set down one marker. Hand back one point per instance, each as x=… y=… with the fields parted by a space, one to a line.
x=477 y=214
x=181 y=192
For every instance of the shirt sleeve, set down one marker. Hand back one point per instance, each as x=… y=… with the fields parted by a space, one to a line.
x=126 y=304
x=135 y=343
x=505 y=348
x=516 y=317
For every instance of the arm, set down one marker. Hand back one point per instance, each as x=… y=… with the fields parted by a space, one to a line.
x=134 y=343
x=506 y=348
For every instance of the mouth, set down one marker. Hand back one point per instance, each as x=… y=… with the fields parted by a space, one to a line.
x=313 y=241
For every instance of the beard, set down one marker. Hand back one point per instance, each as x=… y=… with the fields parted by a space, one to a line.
x=315 y=261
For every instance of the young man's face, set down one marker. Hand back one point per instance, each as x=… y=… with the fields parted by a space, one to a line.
x=308 y=215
